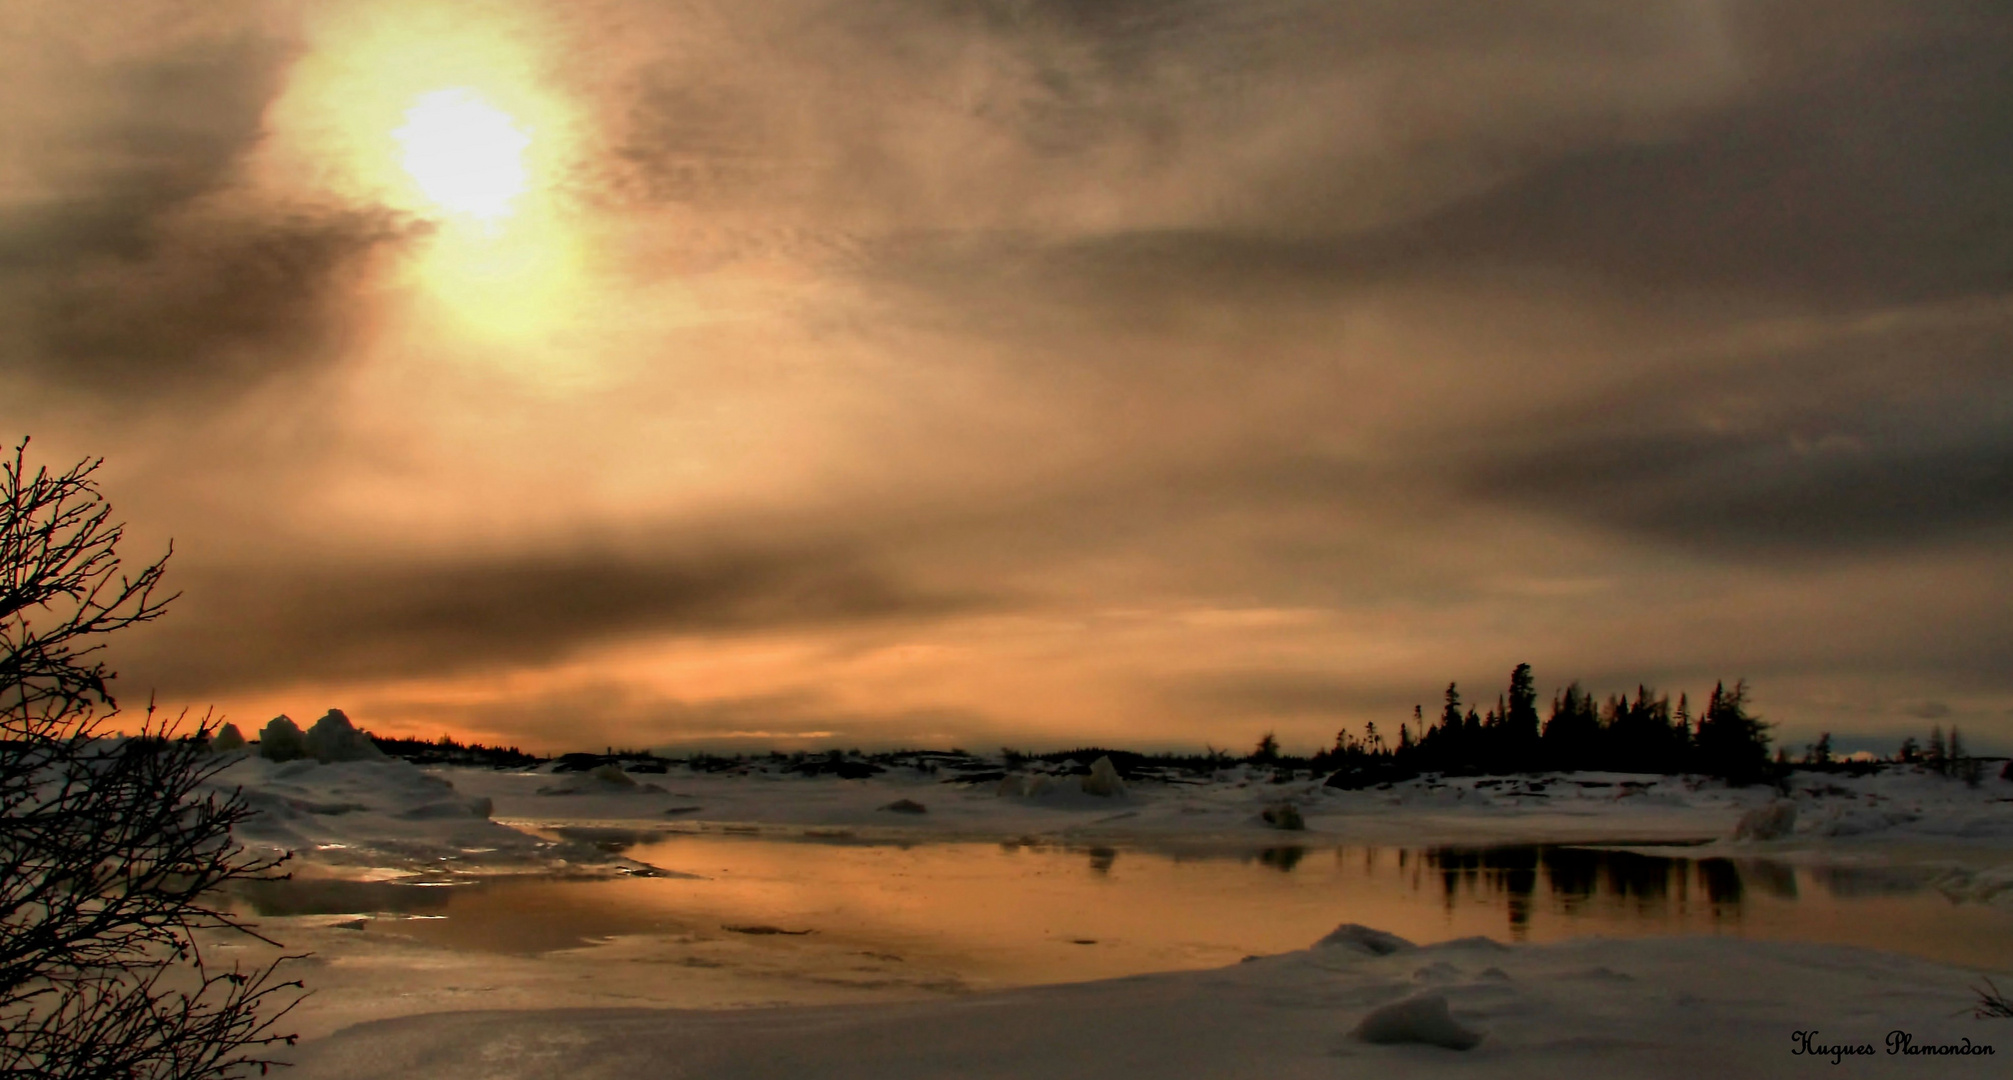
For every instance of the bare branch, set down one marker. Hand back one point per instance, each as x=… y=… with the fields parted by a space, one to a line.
x=112 y=850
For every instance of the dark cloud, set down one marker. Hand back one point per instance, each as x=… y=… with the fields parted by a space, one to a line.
x=153 y=136
x=217 y=311
x=247 y=626
x=1895 y=437
x=1064 y=117
x=148 y=273
x=1871 y=180
x=1608 y=336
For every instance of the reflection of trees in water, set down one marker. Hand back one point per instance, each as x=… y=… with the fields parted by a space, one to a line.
x=1578 y=878
x=1720 y=879
x=1282 y=858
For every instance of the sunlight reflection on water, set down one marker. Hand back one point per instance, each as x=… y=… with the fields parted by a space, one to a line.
x=1026 y=912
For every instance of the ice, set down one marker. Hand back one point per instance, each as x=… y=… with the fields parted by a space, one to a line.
x=1898 y=810
x=601 y=780
x=1690 y=1007
x=367 y=817
x=1103 y=780
x=1364 y=940
x=1423 y=1018
x=281 y=740
x=333 y=738
x=1653 y=1007
x=1771 y=822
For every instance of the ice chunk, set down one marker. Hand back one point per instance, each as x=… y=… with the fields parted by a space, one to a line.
x=1771 y=822
x=1363 y=939
x=281 y=740
x=611 y=774
x=1103 y=779
x=601 y=780
x=1423 y=1018
x=334 y=738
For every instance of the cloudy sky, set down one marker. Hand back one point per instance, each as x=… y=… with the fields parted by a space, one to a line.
x=1029 y=372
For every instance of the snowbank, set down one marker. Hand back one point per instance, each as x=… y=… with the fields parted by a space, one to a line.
x=1900 y=806
x=347 y=815
x=382 y=817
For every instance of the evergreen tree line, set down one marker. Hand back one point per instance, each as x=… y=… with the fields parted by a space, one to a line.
x=1645 y=734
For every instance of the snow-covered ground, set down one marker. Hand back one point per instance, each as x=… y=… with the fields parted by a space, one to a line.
x=1638 y=1007
x=387 y=816
x=1682 y=1008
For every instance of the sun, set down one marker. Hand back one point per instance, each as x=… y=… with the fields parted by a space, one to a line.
x=464 y=153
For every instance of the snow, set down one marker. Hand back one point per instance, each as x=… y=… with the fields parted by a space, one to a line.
x=1680 y=1008
x=1422 y=1018
x=1771 y=822
x=1899 y=806
x=778 y=1005
x=334 y=738
x=387 y=818
x=382 y=819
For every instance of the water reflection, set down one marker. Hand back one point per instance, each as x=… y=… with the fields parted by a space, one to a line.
x=320 y=896
x=1015 y=911
x=1575 y=878
x=1871 y=880
x=1282 y=858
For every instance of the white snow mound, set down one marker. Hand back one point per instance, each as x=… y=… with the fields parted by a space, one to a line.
x=1422 y=1018
x=334 y=738
x=281 y=739
x=1771 y=822
x=1103 y=780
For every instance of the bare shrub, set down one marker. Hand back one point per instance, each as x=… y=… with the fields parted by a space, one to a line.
x=110 y=848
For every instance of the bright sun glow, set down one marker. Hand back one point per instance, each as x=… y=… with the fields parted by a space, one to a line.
x=466 y=155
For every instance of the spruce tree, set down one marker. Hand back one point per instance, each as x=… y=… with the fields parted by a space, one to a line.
x=1732 y=744
x=1450 y=713
x=1819 y=752
x=1573 y=730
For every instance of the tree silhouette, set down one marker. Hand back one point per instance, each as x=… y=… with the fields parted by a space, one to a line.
x=1624 y=734
x=110 y=849
x=1573 y=731
x=1520 y=718
x=1731 y=743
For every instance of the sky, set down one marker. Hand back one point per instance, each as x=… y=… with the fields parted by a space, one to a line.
x=811 y=373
